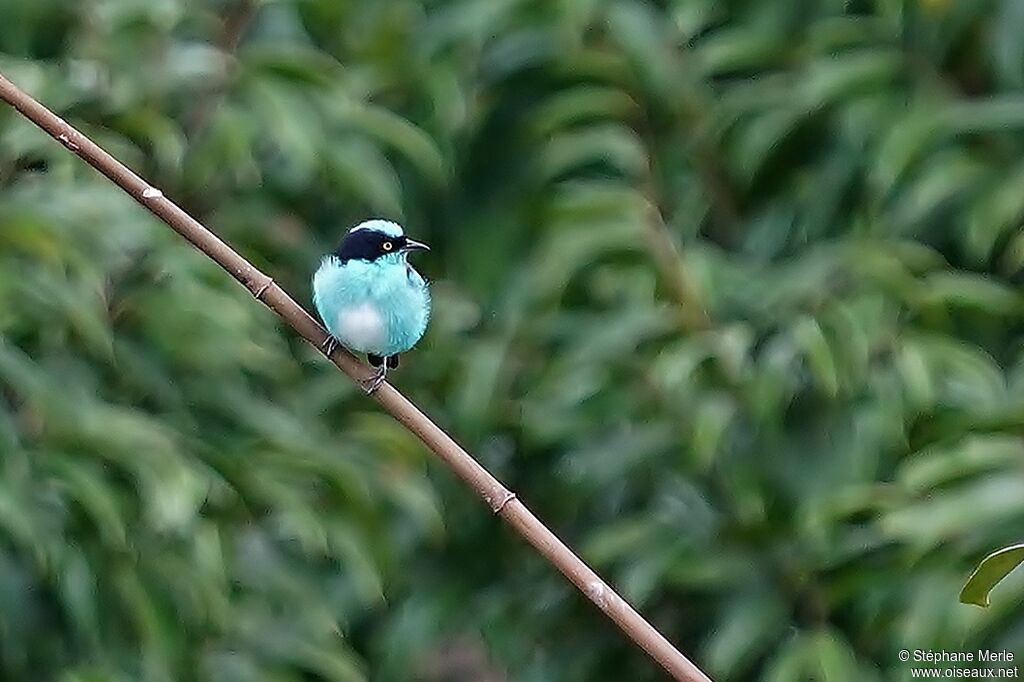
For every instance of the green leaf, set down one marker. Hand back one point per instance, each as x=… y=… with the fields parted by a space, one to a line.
x=585 y=103
x=398 y=133
x=818 y=352
x=610 y=144
x=989 y=573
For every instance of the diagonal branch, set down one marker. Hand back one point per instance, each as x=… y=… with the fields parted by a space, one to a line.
x=502 y=501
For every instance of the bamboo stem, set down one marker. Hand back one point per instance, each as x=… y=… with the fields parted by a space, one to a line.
x=501 y=501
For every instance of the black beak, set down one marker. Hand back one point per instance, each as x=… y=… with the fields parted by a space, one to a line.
x=413 y=245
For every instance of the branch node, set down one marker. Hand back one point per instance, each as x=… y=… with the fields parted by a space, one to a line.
x=599 y=593
x=498 y=507
x=66 y=140
x=258 y=294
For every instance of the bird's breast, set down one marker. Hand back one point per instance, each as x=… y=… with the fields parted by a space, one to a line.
x=361 y=326
x=372 y=307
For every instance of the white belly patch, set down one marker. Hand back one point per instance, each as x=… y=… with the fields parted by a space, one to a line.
x=361 y=327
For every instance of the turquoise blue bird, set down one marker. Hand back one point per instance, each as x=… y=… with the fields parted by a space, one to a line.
x=370 y=298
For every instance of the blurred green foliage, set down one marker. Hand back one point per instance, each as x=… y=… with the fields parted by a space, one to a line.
x=794 y=489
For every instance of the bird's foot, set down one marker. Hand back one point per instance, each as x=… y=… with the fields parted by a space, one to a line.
x=329 y=345
x=374 y=382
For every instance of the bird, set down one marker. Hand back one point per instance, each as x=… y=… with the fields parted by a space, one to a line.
x=370 y=298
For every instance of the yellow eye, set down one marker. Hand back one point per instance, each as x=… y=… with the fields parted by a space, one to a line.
x=388 y=246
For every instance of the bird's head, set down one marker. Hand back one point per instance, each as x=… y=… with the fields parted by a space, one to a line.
x=377 y=241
